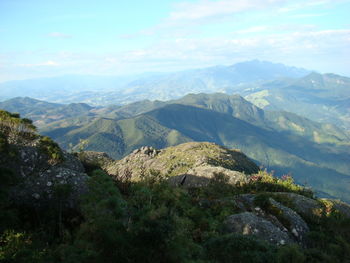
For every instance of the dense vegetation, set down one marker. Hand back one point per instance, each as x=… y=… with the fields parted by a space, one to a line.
x=150 y=221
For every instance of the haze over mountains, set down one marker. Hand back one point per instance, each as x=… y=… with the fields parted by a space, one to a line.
x=104 y=90
x=320 y=97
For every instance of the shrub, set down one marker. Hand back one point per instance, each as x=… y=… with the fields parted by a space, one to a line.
x=237 y=248
x=18 y=247
x=52 y=149
x=290 y=254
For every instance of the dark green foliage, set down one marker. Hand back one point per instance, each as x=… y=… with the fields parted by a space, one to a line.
x=330 y=236
x=8 y=215
x=150 y=221
x=237 y=248
x=3 y=143
x=290 y=254
x=17 y=247
x=100 y=237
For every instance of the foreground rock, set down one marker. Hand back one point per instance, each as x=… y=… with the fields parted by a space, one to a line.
x=282 y=217
x=310 y=208
x=41 y=181
x=295 y=224
x=248 y=223
x=304 y=206
x=40 y=170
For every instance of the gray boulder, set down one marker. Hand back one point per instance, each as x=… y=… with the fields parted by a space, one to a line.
x=292 y=221
x=41 y=181
x=281 y=216
x=248 y=223
x=304 y=206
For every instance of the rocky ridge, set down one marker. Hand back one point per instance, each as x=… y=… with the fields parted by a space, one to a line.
x=200 y=159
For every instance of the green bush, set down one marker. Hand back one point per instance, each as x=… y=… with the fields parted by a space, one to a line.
x=266 y=182
x=236 y=248
x=18 y=247
x=290 y=254
x=52 y=149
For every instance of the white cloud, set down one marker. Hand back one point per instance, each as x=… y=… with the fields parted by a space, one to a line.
x=255 y=29
x=311 y=49
x=48 y=63
x=323 y=50
x=298 y=16
x=59 y=35
x=205 y=8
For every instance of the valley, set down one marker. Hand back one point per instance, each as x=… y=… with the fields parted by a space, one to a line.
x=315 y=154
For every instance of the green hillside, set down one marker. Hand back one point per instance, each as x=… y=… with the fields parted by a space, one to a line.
x=324 y=166
x=321 y=97
x=115 y=137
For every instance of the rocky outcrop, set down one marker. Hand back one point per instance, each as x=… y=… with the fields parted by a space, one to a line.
x=40 y=181
x=294 y=223
x=247 y=223
x=200 y=159
x=282 y=217
x=42 y=171
x=146 y=150
x=188 y=181
x=208 y=171
x=304 y=206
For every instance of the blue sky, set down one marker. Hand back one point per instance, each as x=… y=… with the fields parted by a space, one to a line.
x=114 y=37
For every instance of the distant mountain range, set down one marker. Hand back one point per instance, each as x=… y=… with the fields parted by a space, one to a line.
x=316 y=154
x=320 y=97
x=325 y=98
x=104 y=90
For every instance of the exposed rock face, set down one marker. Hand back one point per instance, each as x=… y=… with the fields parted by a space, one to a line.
x=195 y=158
x=147 y=150
x=188 y=180
x=279 y=215
x=292 y=221
x=39 y=177
x=248 y=223
x=200 y=176
x=306 y=207
x=208 y=172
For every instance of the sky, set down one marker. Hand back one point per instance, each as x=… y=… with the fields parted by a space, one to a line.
x=44 y=38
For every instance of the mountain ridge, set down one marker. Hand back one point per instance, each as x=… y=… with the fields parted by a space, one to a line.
x=164 y=86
